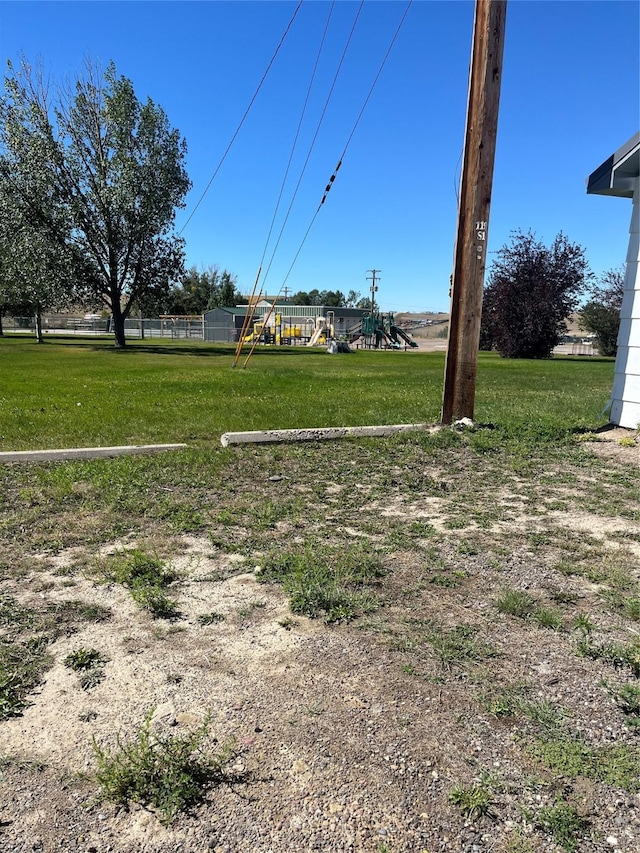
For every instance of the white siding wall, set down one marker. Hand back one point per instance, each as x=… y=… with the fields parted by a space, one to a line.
x=625 y=406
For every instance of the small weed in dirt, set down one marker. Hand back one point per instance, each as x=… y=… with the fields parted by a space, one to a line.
x=468 y=548
x=91 y=678
x=618 y=655
x=172 y=773
x=88 y=716
x=627 y=698
x=563 y=823
x=543 y=713
x=449 y=581
x=61 y=617
x=548 y=617
x=511 y=702
x=24 y=764
x=182 y=517
x=22 y=665
x=514 y=602
x=562 y=596
x=473 y=801
x=83 y=659
x=146 y=578
x=89 y=664
x=569 y=757
x=458 y=646
x=420 y=530
x=518 y=844
x=631 y=608
x=326 y=582
x=584 y=624
x=210 y=618
x=247 y=610
x=504 y=703
x=627 y=442
x=13 y=615
x=154 y=600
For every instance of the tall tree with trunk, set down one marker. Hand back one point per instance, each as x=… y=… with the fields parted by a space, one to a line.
x=531 y=291
x=114 y=174
x=34 y=272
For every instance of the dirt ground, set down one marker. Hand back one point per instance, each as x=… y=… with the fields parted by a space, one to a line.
x=353 y=736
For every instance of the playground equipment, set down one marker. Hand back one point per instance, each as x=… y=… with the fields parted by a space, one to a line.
x=324 y=330
x=379 y=331
x=309 y=331
x=272 y=330
x=374 y=331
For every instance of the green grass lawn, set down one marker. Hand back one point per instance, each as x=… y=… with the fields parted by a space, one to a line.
x=81 y=392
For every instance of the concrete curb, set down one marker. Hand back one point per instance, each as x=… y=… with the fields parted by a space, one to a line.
x=274 y=436
x=83 y=452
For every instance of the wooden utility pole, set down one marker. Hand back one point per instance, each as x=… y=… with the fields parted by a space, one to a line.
x=473 y=212
x=374 y=286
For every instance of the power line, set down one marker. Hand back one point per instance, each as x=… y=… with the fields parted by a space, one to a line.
x=353 y=130
x=293 y=147
x=375 y=80
x=242 y=120
x=313 y=141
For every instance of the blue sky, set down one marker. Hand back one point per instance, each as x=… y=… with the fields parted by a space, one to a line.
x=570 y=98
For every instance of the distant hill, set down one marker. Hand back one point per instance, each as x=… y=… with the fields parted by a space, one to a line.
x=430 y=324
x=427 y=324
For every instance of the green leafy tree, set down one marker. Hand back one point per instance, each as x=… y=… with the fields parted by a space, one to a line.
x=227 y=294
x=34 y=271
x=190 y=296
x=300 y=298
x=199 y=291
x=601 y=314
x=330 y=298
x=333 y=298
x=113 y=174
x=531 y=290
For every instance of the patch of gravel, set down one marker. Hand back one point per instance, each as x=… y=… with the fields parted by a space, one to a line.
x=344 y=748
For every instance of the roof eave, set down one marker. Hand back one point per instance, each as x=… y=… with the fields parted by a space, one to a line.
x=617 y=175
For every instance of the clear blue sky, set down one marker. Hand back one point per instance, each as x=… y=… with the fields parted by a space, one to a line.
x=570 y=98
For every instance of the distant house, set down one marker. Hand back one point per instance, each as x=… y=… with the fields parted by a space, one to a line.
x=619 y=175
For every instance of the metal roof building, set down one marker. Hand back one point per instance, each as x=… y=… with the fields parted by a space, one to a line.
x=619 y=175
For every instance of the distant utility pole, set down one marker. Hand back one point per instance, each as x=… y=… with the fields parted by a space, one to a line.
x=473 y=212
x=372 y=278
x=286 y=294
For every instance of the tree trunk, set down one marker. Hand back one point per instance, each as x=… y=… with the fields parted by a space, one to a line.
x=39 y=336
x=1 y=327
x=118 y=327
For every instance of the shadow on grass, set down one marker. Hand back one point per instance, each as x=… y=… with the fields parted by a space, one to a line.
x=202 y=349
x=208 y=350
x=591 y=359
x=178 y=347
